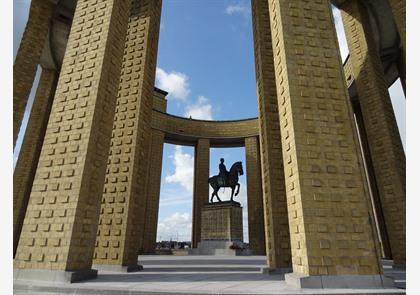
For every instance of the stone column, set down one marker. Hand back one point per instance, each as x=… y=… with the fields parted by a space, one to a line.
x=153 y=192
x=383 y=137
x=201 y=186
x=274 y=194
x=374 y=192
x=58 y=235
x=25 y=168
x=123 y=202
x=331 y=236
x=254 y=196
x=28 y=56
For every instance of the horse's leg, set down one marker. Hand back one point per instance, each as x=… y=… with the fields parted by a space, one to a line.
x=238 y=188
x=212 y=196
x=231 y=195
x=217 y=196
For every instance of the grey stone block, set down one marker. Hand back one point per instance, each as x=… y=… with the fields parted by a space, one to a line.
x=341 y=281
x=58 y=276
x=399 y=266
x=118 y=268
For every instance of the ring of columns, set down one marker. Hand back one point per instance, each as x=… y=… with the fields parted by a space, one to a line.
x=86 y=181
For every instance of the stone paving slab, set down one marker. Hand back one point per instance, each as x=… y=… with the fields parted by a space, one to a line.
x=195 y=275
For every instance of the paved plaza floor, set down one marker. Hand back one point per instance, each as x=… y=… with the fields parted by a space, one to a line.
x=165 y=274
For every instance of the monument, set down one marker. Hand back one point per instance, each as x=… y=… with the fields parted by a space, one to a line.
x=85 y=189
x=221 y=222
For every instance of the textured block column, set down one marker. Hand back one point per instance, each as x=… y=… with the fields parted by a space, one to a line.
x=201 y=186
x=28 y=56
x=326 y=197
x=383 y=137
x=124 y=201
x=60 y=225
x=24 y=173
x=153 y=192
x=275 y=206
x=254 y=196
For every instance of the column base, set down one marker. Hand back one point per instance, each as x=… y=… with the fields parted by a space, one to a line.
x=58 y=276
x=275 y=271
x=341 y=281
x=399 y=266
x=118 y=268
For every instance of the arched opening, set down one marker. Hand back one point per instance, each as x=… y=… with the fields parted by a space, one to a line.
x=176 y=198
x=230 y=156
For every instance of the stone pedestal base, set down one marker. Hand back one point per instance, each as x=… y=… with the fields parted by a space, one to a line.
x=222 y=248
x=221 y=230
x=342 y=281
x=118 y=268
x=58 y=276
x=222 y=221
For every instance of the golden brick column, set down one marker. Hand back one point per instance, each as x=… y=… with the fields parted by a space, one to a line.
x=124 y=200
x=398 y=9
x=275 y=206
x=331 y=235
x=25 y=168
x=58 y=235
x=28 y=56
x=153 y=192
x=383 y=137
x=201 y=186
x=254 y=196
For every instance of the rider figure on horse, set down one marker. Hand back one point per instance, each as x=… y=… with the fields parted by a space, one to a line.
x=226 y=179
x=223 y=173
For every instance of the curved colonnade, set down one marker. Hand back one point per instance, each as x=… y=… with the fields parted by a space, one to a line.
x=302 y=152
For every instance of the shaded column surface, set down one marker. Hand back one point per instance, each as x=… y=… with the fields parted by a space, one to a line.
x=123 y=202
x=383 y=137
x=254 y=197
x=327 y=201
x=60 y=225
x=275 y=206
x=398 y=9
x=376 y=201
x=28 y=56
x=201 y=186
x=26 y=164
x=153 y=192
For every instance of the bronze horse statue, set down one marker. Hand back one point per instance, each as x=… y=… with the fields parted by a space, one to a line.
x=217 y=181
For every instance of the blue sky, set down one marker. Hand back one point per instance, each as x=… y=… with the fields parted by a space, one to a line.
x=206 y=63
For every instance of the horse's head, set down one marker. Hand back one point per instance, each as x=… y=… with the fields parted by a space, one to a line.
x=238 y=168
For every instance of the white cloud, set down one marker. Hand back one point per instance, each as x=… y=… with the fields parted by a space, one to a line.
x=184 y=169
x=178 y=225
x=175 y=83
x=238 y=9
x=201 y=110
x=341 y=35
x=179 y=198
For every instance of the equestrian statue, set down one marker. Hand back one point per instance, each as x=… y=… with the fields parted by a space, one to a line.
x=226 y=179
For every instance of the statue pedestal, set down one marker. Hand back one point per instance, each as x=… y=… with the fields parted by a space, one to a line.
x=221 y=230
